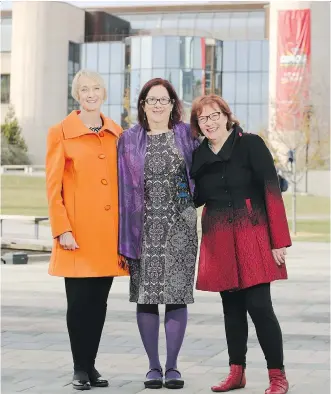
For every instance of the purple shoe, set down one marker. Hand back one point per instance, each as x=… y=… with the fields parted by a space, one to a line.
x=173 y=379
x=154 y=379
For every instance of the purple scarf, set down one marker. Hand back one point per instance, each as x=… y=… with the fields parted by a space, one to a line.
x=131 y=165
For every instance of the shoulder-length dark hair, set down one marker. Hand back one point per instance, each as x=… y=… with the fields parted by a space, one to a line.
x=211 y=99
x=177 y=106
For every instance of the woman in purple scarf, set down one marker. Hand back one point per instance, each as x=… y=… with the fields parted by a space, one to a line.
x=158 y=234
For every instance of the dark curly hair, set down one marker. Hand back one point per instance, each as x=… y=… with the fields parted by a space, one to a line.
x=177 y=110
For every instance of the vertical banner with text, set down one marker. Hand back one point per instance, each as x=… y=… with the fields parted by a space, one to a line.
x=293 y=68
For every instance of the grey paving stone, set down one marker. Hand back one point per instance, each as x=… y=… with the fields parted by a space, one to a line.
x=36 y=356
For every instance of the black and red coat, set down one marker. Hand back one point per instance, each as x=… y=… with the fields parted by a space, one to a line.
x=244 y=216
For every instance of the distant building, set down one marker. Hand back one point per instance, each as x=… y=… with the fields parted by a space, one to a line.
x=227 y=48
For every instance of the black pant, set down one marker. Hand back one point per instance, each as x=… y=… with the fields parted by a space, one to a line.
x=257 y=302
x=86 y=313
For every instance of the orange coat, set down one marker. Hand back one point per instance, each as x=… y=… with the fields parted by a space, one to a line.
x=82 y=190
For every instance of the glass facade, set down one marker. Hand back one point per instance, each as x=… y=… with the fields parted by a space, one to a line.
x=233 y=25
x=189 y=63
x=108 y=58
x=6 y=34
x=199 y=53
x=245 y=80
x=5 y=88
x=73 y=68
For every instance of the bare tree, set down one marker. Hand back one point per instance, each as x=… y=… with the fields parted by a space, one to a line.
x=303 y=147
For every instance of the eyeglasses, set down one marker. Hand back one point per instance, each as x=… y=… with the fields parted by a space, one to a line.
x=154 y=100
x=213 y=116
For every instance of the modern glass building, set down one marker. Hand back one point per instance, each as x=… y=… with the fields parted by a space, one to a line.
x=226 y=48
x=199 y=53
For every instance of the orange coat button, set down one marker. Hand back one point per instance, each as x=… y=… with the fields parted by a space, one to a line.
x=107 y=207
x=101 y=134
x=104 y=182
x=102 y=156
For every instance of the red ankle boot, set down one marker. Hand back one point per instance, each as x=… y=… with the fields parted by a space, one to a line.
x=278 y=382
x=235 y=380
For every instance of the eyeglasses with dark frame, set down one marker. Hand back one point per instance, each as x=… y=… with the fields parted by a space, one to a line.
x=213 y=116
x=154 y=100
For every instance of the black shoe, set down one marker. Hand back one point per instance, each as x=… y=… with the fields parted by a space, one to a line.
x=154 y=383
x=81 y=381
x=97 y=380
x=173 y=383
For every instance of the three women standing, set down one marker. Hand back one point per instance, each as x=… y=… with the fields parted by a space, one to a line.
x=245 y=232
x=81 y=178
x=244 y=235
x=158 y=234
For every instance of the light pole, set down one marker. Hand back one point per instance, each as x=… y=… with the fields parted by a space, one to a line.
x=291 y=160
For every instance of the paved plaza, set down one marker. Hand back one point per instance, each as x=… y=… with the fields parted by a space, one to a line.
x=35 y=347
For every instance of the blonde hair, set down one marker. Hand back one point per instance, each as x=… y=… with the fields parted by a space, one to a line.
x=91 y=75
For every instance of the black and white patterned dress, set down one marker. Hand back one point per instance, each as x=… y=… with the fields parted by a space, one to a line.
x=165 y=272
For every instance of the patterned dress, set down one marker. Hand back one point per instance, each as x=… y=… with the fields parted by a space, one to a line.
x=165 y=272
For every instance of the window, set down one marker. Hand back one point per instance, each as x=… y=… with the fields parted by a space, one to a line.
x=245 y=81
x=172 y=51
x=254 y=119
x=221 y=26
x=228 y=87
x=135 y=53
x=218 y=55
x=255 y=28
x=255 y=88
x=116 y=57
x=104 y=57
x=265 y=88
x=186 y=53
x=197 y=53
x=92 y=56
x=241 y=112
x=158 y=52
x=74 y=57
x=203 y=24
x=241 y=88
x=146 y=52
x=6 y=34
x=5 y=88
x=242 y=56
x=172 y=75
x=238 y=25
x=109 y=88
x=265 y=55
x=229 y=55
x=187 y=21
x=255 y=56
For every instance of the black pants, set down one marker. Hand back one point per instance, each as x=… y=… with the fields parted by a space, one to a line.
x=86 y=313
x=257 y=302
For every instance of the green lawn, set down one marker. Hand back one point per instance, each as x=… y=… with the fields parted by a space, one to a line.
x=311 y=230
x=26 y=195
x=23 y=195
x=308 y=205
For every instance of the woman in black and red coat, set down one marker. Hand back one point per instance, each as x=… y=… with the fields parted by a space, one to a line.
x=244 y=235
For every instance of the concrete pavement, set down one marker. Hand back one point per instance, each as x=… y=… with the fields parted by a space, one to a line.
x=35 y=347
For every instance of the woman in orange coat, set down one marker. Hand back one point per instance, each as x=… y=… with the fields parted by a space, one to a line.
x=81 y=177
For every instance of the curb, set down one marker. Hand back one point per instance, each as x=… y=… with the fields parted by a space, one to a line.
x=26 y=245
x=39 y=258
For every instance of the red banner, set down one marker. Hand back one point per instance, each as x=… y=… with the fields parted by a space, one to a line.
x=293 y=68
